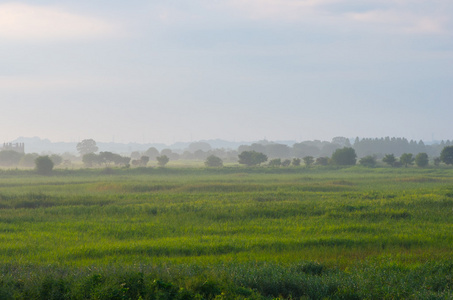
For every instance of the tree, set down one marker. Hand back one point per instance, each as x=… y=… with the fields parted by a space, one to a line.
x=322 y=161
x=296 y=162
x=144 y=160
x=276 y=162
x=447 y=155
x=308 y=160
x=344 y=157
x=90 y=159
x=87 y=146
x=162 y=160
x=251 y=158
x=43 y=165
x=56 y=159
x=9 y=158
x=368 y=161
x=152 y=153
x=437 y=161
x=28 y=160
x=286 y=163
x=213 y=161
x=389 y=159
x=421 y=160
x=406 y=159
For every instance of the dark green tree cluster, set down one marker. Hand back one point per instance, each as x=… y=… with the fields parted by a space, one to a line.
x=344 y=157
x=252 y=158
x=213 y=162
x=44 y=165
x=141 y=162
x=162 y=160
x=105 y=159
x=10 y=158
x=447 y=155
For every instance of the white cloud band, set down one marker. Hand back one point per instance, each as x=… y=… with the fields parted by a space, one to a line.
x=28 y=22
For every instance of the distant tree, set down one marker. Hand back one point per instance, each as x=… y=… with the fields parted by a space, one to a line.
x=276 y=162
x=342 y=141
x=56 y=159
x=136 y=155
x=278 y=150
x=162 y=160
x=368 y=161
x=28 y=160
x=437 y=161
x=144 y=160
x=322 y=161
x=344 y=157
x=308 y=160
x=389 y=159
x=152 y=153
x=43 y=165
x=447 y=155
x=90 y=159
x=87 y=146
x=200 y=155
x=286 y=163
x=252 y=158
x=199 y=146
x=170 y=154
x=407 y=159
x=106 y=157
x=296 y=162
x=421 y=160
x=305 y=149
x=9 y=158
x=329 y=149
x=213 y=161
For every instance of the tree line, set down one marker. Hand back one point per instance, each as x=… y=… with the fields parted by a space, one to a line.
x=394 y=152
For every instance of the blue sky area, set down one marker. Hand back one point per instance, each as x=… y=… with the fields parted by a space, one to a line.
x=167 y=71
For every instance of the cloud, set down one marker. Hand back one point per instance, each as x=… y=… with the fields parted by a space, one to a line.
x=392 y=16
x=29 y=22
x=403 y=22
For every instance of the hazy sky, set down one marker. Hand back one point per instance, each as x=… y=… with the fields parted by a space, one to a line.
x=171 y=70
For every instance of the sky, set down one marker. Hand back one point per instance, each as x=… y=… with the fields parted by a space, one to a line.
x=166 y=71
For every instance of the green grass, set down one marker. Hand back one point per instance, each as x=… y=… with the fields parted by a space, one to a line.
x=340 y=233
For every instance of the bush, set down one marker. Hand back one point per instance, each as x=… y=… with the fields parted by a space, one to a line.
x=251 y=158
x=447 y=155
x=276 y=162
x=421 y=160
x=43 y=165
x=162 y=160
x=344 y=157
x=213 y=161
x=368 y=161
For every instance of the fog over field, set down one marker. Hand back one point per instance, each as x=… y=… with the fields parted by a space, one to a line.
x=180 y=71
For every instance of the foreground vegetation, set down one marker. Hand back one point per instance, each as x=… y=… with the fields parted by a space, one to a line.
x=231 y=233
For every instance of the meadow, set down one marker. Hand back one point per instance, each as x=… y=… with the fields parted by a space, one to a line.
x=229 y=233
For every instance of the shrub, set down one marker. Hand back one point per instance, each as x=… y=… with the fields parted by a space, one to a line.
x=344 y=157
x=276 y=162
x=162 y=160
x=421 y=160
x=368 y=161
x=213 y=161
x=43 y=165
x=447 y=155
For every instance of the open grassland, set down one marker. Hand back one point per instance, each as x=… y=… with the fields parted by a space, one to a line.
x=346 y=233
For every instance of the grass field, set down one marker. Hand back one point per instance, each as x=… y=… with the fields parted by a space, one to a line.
x=230 y=233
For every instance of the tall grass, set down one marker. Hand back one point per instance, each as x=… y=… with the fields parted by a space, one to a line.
x=343 y=233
